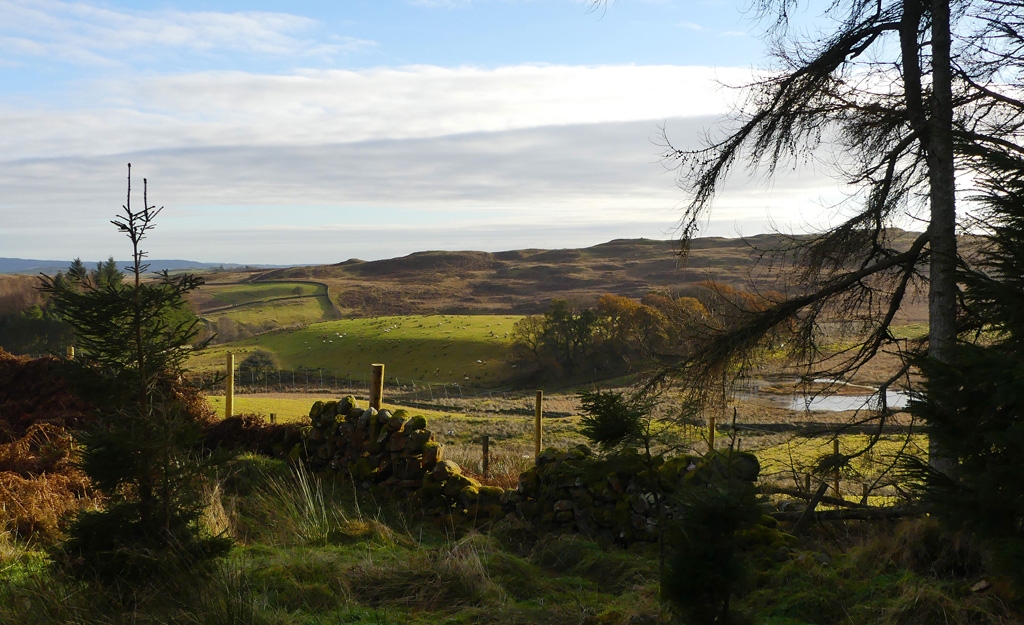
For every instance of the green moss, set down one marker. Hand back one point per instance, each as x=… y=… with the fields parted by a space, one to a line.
x=415 y=423
x=347 y=404
x=363 y=468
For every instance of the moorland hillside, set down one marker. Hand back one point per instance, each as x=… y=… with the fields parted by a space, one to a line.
x=525 y=281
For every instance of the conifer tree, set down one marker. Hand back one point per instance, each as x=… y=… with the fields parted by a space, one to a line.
x=141 y=454
x=976 y=408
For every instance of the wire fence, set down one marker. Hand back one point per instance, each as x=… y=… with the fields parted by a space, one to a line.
x=399 y=389
x=871 y=475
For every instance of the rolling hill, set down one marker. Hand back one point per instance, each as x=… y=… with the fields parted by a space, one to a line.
x=522 y=281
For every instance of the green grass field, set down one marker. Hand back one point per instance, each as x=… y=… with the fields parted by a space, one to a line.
x=294 y=407
x=238 y=294
x=467 y=349
x=267 y=305
x=278 y=313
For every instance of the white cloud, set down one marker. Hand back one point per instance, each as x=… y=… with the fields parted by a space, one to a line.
x=334 y=106
x=599 y=181
x=263 y=165
x=80 y=33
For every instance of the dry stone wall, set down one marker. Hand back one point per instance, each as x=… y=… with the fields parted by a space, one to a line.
x=619 y=497
x=397 y=452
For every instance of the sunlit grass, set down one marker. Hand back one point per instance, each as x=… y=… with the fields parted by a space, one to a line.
x=236 y=294
x=467 y=349
x=294 y=407
x=277 y=314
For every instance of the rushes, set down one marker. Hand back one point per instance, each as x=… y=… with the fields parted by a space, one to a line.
x=297 y=508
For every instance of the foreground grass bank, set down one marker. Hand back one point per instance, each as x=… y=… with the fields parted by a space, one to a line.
x=311 y=550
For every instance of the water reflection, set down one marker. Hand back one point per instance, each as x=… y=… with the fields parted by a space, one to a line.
x=836 y=403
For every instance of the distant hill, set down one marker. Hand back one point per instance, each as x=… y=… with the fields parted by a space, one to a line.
x=34 y=266
x=525 y=281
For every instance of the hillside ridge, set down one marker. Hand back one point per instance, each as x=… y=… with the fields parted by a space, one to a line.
x=525 y=281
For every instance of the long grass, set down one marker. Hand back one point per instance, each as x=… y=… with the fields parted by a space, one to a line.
x=313 y=550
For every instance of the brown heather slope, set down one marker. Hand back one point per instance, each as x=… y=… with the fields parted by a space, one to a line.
x=525 y=281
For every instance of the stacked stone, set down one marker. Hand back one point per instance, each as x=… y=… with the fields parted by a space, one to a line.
x=384 y=447
x=459 y=499
x=620 y=497
x=616 y=497
x=399 y=453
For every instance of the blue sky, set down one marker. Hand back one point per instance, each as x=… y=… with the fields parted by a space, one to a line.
x=314 y=132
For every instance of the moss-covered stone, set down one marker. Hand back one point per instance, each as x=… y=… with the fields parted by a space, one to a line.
x=548 y=456
x=396 y=423
x=415 y=423
x=490 y=494
x=529 y=509
x=346 y=404
x=416 y=439
x=468 y=496
x=432 y=454
x=363 y=468
x=457 y=482
x=369 y=416
x=529 y=482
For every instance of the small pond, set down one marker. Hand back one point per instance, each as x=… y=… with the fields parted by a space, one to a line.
x=835 y=403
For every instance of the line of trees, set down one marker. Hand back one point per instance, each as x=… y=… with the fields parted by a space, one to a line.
x=35 y=326
x=619 y=334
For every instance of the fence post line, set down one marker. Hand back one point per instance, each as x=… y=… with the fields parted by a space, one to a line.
x=711 y=433
x=487 y=454
x=537 y=414
x=377 y=386
x=229 y=390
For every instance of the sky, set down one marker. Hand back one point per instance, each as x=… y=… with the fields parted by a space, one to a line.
x=316 y=132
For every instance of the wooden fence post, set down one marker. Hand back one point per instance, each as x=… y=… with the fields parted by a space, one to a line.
x=711 y=433
x=835 y=452
x=538 y=413
x=71 y=352
x=377 y=386
x=487 y=454
x=229 y=390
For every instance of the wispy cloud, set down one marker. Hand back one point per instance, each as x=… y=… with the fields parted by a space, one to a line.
x=564 y=149
x=80 y=33
x=587 y=183
x=334 y=106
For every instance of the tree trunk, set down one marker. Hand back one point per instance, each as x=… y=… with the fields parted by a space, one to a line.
x=942 y=300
